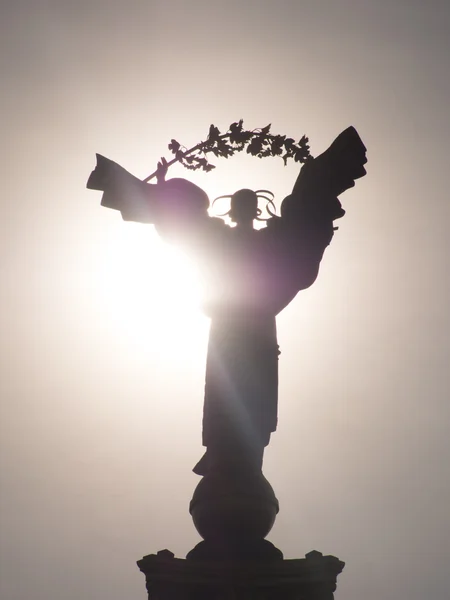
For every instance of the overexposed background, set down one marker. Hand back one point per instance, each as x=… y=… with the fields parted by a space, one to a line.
x=103 y=341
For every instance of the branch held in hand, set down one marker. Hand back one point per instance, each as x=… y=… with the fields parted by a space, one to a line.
x=258 y=142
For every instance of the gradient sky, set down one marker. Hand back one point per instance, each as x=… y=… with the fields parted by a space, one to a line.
x=103 y=351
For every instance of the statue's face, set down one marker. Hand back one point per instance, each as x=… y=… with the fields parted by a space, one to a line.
x=244 y=206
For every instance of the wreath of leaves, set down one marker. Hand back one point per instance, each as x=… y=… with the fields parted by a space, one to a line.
x=257 y=142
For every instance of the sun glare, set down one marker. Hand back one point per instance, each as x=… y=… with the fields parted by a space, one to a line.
x=152 y=292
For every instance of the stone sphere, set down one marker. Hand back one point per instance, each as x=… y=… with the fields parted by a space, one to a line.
x=227 y=507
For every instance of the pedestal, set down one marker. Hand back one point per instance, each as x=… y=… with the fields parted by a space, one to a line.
x=234 y=511
x=310 y=578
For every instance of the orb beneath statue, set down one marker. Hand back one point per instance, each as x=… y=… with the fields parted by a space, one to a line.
x=226 y=508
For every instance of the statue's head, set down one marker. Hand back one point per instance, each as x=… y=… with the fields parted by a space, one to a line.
x=244 y=206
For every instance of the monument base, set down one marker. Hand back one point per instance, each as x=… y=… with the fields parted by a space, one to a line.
x=311 y=578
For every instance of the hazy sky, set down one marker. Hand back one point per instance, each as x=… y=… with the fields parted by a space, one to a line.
x=101 y=388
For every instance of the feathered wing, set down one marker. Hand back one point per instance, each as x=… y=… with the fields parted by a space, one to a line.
x=336 y=169
x=299 y=238
x=123 y=191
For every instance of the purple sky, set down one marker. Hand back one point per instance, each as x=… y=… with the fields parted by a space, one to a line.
x=101 y=388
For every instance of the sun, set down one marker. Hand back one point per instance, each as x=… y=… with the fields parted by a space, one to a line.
x=152 y=293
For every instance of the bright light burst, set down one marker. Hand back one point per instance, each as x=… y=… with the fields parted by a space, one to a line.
x=151 y=292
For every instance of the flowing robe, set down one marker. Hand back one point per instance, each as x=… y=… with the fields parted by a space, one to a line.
x=250 y=276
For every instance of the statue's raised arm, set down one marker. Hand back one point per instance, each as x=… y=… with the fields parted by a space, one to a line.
x=162 y=204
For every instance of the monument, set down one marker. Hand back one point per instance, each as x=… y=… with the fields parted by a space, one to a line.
x=251 y=275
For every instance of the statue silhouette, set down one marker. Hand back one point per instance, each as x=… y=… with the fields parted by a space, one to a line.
x=251 y=275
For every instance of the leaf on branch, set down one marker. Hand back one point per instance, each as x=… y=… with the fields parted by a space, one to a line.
x=304 y=142
x=276 y=145
x=224 y=149
x=236 y=127
x=214 y=134
x=247 y=136
x=235 y=134
x=286 y=156
x=301 y=154
x=289 y=143
x=255 y=146
x=264 y=154
x=257 y=142
x=174 y=146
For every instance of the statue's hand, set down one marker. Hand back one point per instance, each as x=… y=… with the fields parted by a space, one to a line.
x=161 y=170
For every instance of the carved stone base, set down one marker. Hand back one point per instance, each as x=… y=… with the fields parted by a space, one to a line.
x=310 y=578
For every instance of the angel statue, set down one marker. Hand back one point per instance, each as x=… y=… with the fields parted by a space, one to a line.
x=251 y=275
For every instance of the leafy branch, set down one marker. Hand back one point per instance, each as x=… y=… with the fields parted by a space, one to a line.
x=257 y=142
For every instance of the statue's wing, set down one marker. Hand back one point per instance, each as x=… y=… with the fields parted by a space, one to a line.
x=123 y=191
x=336 y=169
x=295 y=243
